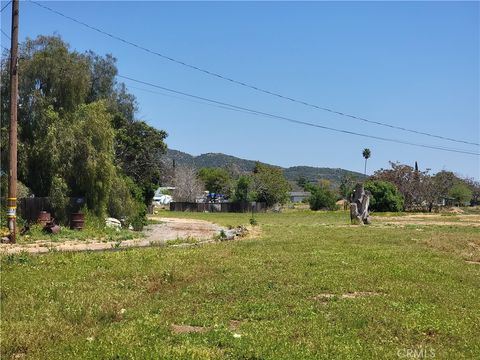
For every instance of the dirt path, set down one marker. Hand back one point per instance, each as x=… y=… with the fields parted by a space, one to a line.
x=169 y=229
x=173 y=228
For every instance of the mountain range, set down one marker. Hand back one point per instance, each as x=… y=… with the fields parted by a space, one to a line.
x=310 y=173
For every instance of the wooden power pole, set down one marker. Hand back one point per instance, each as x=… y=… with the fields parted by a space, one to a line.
x=12 y=174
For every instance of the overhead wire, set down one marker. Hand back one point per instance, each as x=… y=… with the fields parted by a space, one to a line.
x=190 y=100
x=5 y=34
x=3 y=8
x=300 y=122
x=253 y=87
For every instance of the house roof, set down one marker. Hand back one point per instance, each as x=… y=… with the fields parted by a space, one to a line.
x=300 y=193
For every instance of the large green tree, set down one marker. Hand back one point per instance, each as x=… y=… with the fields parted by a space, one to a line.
x=51 y=75
x=138 y=151
x=270 y=185
x=216 y=180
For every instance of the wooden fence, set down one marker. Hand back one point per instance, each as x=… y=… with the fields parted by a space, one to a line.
x=241 y=207
x=29 y=208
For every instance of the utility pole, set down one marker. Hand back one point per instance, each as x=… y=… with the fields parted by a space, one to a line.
x=12 y=173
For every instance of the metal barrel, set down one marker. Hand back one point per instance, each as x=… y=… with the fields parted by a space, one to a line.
x=77 y=221
x=43 y=218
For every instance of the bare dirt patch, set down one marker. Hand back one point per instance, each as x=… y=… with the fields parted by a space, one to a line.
x=186 y=329
x=233 y=325
x=172 y=228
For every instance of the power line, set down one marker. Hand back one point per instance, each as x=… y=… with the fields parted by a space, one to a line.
x=192 y=101
x=253 y=87
x=3 y=8
x=261 y=113
x=4 y=33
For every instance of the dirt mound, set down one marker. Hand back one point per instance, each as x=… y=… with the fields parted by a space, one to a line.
x=454 y=210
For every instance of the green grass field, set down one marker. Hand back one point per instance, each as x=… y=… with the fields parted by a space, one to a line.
x=278 y=295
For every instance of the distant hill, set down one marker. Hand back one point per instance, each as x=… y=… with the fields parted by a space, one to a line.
x=312 y=174
x=210 y=160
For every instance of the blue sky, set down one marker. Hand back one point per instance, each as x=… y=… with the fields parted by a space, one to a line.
x=409 y=64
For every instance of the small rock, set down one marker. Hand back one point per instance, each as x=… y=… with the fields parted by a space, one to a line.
x=113 y=223
x=230 y=234
x=241 y=231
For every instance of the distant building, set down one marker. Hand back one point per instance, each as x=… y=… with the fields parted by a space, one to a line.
x=299 y=196
x=447 y=201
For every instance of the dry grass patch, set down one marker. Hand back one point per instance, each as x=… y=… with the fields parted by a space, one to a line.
x=459 y=219
x=350 y=295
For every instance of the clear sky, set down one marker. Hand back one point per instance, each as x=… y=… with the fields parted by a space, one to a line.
x=409 y=64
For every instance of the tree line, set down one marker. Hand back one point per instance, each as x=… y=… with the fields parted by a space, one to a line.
x=399 y=188
x=77 y=132
x=264 y=184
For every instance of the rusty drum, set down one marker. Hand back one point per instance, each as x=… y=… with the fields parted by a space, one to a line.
x=77 y=221
x=43 y=218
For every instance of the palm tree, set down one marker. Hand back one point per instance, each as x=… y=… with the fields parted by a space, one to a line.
x=366 y=154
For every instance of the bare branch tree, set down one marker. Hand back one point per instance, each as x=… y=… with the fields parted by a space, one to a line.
x=187 y=185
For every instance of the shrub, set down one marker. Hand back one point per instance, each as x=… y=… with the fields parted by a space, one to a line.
x=385 y=196
x=138 y=222
x=322 y=197
x=126 y=201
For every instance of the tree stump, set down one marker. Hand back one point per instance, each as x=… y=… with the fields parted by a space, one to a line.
x=360 y=200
